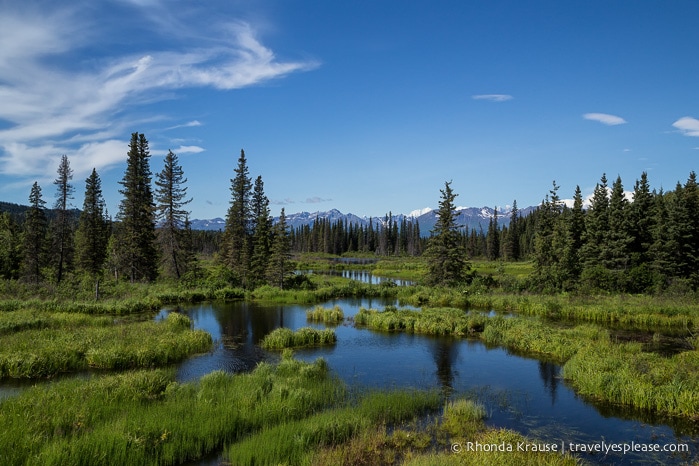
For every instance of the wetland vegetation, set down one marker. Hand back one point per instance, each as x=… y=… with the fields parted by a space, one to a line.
x=558 y=286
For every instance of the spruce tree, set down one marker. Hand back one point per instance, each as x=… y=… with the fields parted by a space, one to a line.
x=10 y=247
x=642 y=218
x=93 y=230
x=512 y=248
x=170 y=199
x=446 y=256
x=547 y=253
x=662 y=250
x=684 y=229
x=278 y=267
x=137 y=239
x=596 y=226
x=571 y=266
x=262 y=231
x=618 y=241
x=34 y=242
x=234 y=252
x=493 y=237
x=63 y=228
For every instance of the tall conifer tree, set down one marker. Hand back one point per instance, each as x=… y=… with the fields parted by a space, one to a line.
x=234 y=252
x=170 y=196
x=262 y=232
x=10 y=247
x=63 y=228
x=35 y=227
x=278 y=267
x=93 y=232
x=137 y=214
x=446 y=256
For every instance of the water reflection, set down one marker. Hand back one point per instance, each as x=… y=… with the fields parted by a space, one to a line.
x=550 y=373
x=364 y=276
x=521 y=393
x=444 y=353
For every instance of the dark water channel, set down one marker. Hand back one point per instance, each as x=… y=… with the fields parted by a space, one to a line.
x=520 y=393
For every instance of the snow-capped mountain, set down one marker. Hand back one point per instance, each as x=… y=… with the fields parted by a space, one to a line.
x=212 y=225
x=467 y=217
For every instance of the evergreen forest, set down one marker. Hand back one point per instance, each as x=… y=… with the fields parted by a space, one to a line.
x=639 y=241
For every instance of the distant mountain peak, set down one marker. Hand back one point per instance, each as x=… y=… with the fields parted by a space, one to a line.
x=419 y=212
x=466 y=217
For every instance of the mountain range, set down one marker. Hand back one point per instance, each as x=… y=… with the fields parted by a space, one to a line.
x=466 y=217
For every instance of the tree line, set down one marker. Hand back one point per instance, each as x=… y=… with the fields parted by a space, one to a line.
x=151 y=235
x=384 y=238
x=645 y=244
x=648 y=243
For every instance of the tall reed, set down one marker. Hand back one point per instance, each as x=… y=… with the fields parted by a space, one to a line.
x=283 y=337
x=332 y=315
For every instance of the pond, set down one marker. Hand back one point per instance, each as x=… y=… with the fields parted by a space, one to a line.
x=520 y=393
x=364 y=276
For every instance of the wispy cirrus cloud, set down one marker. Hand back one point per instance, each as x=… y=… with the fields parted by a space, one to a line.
x=605 y=118
x=189 y=124
x=56 y=100
x=316 y=200
x=492 y=97
x=688 y=126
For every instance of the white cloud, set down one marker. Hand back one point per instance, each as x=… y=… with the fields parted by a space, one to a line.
x=53 y=104
x=493 y=97
x=605 y=118
x=189 y=124
x=688 y=126
x=180 y=150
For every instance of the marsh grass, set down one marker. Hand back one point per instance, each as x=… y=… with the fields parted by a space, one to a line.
x=68 y=343
x=332 y=315
x=624 y=374
x=283 y=337
x=295 y=442
x=627 y=311
x=462 y=421
x=532 y=336
x=144 y=417
x=441 y=321
x=494 y=458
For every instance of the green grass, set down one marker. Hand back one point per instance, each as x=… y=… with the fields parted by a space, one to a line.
x=624 y=374
x=145 y=417
x=441 y=321
x=534 y=337
x=296 y=442
x=332 y=315
x=68 y=343
x=282 y=338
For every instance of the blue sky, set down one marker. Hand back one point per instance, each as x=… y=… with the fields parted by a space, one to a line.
x=363 y=106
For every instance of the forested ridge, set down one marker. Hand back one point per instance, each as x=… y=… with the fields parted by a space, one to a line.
x=642 y=243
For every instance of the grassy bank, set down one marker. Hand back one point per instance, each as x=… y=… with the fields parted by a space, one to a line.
x=44 y=345
x=624 y=374
x=146 y=418
x=628 y=311
x=297 y=442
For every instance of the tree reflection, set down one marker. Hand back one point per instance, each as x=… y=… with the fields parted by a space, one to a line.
x=549 y=373
x=444 y=353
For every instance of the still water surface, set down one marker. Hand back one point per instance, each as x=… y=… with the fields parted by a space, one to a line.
x=520 y=393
